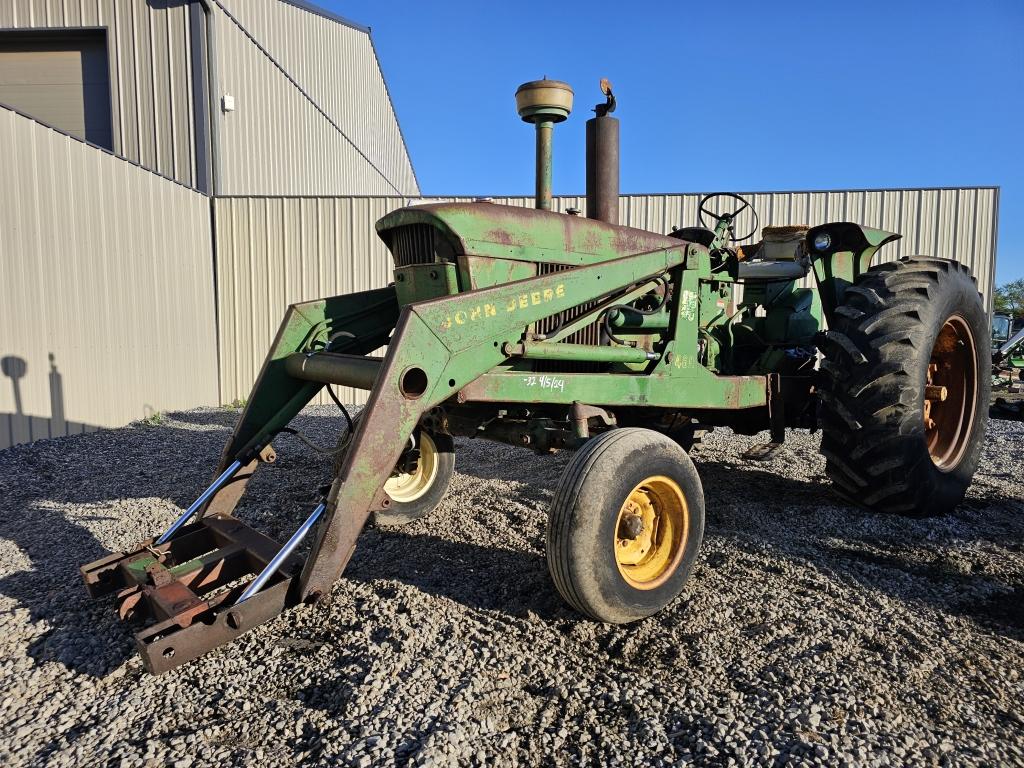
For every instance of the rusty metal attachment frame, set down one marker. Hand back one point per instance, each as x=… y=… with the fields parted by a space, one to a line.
x=184 y=592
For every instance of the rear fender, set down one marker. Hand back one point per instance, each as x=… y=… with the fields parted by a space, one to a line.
x=847 y=256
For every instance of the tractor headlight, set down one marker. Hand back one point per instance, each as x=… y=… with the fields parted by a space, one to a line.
x=822 y=241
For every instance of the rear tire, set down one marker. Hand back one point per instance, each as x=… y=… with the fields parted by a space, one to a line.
x=625 y=525
x=906 y=333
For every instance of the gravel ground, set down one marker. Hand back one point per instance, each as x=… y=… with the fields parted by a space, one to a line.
x=810 y=632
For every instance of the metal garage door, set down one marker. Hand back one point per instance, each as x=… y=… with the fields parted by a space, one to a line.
x=59 y=78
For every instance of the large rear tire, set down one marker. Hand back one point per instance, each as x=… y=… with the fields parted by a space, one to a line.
x=625 y=525
x=905 y=388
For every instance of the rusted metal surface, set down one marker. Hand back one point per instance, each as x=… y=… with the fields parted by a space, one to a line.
x=603 y=169
x=451 y=341
x=181 y=586
x=164 y=646
x=523 y=234
x=950 y=389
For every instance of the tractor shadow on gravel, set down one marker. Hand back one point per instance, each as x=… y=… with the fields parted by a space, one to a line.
x=798 y=519
x=913 y=560
x=480 y=577
x=83 y=635
x=52 y=491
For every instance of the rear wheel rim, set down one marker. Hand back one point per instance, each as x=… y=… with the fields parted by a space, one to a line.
x=651 y=532
x=951 y=387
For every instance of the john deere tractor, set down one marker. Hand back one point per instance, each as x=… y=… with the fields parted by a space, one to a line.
x=557 y=332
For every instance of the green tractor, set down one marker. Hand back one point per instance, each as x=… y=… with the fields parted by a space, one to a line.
x=556 y=332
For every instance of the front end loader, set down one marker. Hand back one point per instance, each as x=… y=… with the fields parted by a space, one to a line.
x=557 y=332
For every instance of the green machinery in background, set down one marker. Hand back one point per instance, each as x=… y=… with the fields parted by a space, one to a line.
x=556 y=332
x=1007 y=367
x=1008 y=342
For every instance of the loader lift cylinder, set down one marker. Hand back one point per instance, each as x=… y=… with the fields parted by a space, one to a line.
x=279 y=559
x=206 y=495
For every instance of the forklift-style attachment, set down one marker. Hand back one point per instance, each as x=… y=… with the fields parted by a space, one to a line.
x=187 y=591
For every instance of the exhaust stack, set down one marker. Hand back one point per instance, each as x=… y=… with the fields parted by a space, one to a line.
x=544 y=103
x=603 y=160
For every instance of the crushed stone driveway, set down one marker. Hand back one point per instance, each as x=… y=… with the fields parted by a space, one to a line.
x=810 y=633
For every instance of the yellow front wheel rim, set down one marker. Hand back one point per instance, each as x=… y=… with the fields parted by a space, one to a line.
x=650 y=532
x=406 y=487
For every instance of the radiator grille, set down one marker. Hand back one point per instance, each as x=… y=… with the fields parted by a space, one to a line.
x=414 y=244
x=589 y=334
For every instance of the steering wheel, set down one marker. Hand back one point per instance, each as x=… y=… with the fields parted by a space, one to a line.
x=701 y=210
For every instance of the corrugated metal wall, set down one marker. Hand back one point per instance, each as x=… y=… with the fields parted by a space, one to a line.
x=149 y=47
x=272 y=252
x=275 y=251
x=108 y=308
x=276 y=142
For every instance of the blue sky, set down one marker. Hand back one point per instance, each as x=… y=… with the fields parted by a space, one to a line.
x=737 y=95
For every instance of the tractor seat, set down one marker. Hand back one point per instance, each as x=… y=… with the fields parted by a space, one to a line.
x=781 y=255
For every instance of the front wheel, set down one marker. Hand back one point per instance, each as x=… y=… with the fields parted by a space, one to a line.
x=625 y=525
x=420 y=481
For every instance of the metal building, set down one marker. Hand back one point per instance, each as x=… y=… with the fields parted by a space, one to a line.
x=120 y=123
x=176 y=172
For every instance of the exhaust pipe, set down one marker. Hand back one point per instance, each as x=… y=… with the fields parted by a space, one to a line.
x=544 y=103
x=603 y=161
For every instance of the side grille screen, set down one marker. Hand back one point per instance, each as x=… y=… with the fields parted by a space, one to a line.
x=589 y=334
x=413 y=244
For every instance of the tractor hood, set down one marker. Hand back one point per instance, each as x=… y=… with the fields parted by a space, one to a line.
x=511 y=232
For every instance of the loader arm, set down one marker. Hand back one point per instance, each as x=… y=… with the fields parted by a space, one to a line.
x=356 y=323
x=439 y=347
x=211 y=577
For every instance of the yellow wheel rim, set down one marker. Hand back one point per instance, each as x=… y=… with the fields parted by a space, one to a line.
x=406 y=487
x=650 y=532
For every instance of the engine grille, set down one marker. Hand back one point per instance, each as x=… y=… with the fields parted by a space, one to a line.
x=589 y=334
x=414 y=244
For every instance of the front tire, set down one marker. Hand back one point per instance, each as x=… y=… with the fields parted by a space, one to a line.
x=416 y=493
x=905 y=388
x=625 y=525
